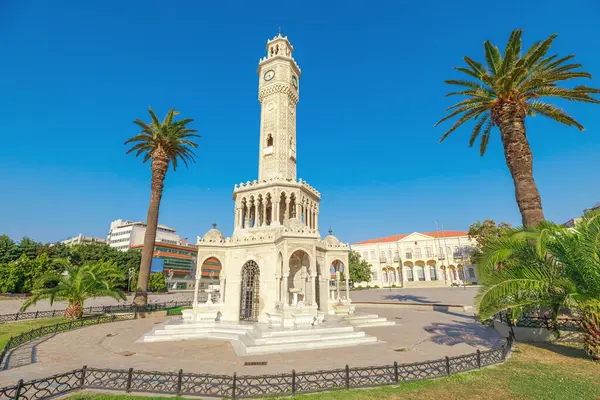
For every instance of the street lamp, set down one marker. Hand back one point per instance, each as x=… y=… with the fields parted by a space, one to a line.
x=131 y=272
x=169 y=279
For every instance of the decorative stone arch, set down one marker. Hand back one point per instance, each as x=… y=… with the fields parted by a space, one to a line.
x=298 y=273
x=461 y=272
x=452 y=272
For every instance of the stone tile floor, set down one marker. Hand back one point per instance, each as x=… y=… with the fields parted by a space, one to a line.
x=419 y=336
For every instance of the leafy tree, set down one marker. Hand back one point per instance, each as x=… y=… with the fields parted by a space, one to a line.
x=483 y=232
x=546 y=266
x=163 y=143
x=76 y=285
x=29 y=247
x=505 y=91
x=360 y=270
x=8 y=249
x=157 y=282
x=83 y=253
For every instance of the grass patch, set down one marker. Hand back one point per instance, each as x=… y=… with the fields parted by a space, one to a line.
x=177 y=310
x=534 y=372
x=9 y=329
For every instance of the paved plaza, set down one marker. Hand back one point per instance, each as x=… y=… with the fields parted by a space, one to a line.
x=418 y=336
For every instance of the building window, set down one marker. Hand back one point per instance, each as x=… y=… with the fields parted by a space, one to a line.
x=382 y=256
x=365 y=255
x=472 y=272
x=408 y=253
x=396 y=255
x=374 y=275
x=461 y=273
x=389 y=255
x=418 y=252
x=372 y=254
x=428 y=252
x=440 y=252
x=433 y=273
x=420 y=272
x=409 y=274
x=448 y=251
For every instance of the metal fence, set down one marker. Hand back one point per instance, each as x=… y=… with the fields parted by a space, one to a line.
x=248 y=386
x=541 y=321
x=94 y=310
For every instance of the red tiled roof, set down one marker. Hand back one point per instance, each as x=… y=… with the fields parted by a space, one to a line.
x=436 y=235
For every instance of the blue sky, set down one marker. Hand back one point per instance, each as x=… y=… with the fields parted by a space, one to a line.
x=74 y=75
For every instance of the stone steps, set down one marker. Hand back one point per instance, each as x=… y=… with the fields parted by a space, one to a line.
x=313 y=345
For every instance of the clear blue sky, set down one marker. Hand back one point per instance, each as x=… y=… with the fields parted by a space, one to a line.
x=75 y=74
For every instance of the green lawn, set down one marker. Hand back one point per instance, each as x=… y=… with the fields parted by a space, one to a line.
x=176 y=310
x=9 y=329
x=544 y=372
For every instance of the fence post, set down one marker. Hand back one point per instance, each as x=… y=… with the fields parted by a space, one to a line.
x=36 y=314
x=82 y=381
x=98 y=321
x=396 y=378
x=293 y=382
x=54 y=313
x=179 y=380
x=233 y=386
x=347 y=377
x=19 y=387
x=129 y=377
x=478 y=358
x=17 y=316
x=447 y=365
x=71 y=325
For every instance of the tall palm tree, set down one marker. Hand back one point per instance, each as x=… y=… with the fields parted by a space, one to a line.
x=163 y=143
x=76 y=284
x=504 y=92
x=547 y=266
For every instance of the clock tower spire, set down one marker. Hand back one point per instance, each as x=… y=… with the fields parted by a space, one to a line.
x=278 y=77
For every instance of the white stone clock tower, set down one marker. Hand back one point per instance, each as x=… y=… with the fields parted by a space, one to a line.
x=279 y=77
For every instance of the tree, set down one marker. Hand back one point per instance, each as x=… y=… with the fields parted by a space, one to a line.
x=8 y=249
x=547 y=266
x=507 y=90
x=86 y=252
x=157 y=282
x=76 y=285
x=29 y=247
x=360 y=270
x=163 y=143
x=483 y=232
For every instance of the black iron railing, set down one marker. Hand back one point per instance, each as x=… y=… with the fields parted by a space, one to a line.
x=541 y=321
x=93 y=310
x=249 y=386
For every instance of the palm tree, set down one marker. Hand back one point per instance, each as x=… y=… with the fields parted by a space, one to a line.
x=76 y=284
x=163 y=143
x=549 y=267
x=504 y=92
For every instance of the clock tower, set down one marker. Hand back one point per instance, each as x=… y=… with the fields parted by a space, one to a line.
x=278 y=80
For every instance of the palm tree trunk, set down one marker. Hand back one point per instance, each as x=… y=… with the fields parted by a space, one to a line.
x=74 y=311
x=510 y=119
x=590 y=322
x=160 y=165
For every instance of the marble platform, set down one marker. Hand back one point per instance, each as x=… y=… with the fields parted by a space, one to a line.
x=255 y=338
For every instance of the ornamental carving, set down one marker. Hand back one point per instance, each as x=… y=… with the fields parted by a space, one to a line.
x=284 y=88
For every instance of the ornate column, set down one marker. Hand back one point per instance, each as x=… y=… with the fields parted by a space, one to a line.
x=337 y=284
x=196 y=288
x=309 y=214
x=222 y=290
x=316 y=220
x=313 y=297
x=285 y=290
x=347 y=287
x=264 y=218
x=286 y=214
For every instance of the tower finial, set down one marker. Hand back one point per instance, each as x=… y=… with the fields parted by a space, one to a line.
x=330 y=230
x=214 y=224
x=279 y=32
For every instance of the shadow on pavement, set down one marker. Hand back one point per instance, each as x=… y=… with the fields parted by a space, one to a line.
x=457 y=332
x=410 y=298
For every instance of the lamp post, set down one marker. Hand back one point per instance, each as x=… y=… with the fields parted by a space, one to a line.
x=130 y=274
x=169 y=279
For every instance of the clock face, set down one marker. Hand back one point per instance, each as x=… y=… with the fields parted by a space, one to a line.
x=269 y=75
x=295 y=81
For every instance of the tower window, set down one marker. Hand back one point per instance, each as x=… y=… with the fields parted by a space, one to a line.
x=269 y=140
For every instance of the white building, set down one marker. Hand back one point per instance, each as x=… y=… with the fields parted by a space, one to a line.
x=126 y=234
x=419 y=259
x=80 y=239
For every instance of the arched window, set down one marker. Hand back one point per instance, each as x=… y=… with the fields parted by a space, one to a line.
x=461 y=273
x=409 y=274
x=448 y=251
x=396 y=255
x=440 y=252
x=408 y=253
x=365 y=255
x=269 y=140
x=372 y=254
x=420 y=272
x=471 y=272
x=389 y=255
x=382 y=256
x=433 y=273
x=428 y=251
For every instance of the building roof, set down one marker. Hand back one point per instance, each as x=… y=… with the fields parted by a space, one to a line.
x=169 y=245
x=435 y=235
